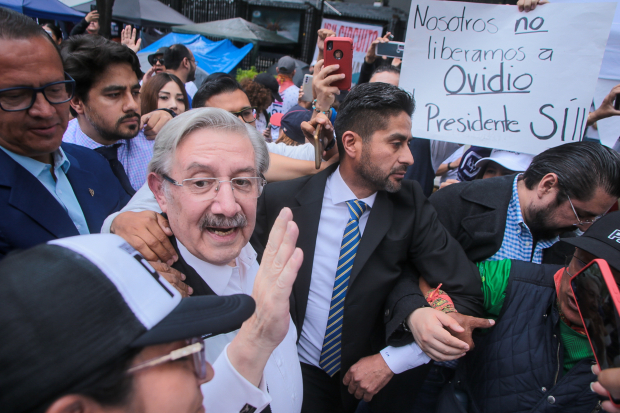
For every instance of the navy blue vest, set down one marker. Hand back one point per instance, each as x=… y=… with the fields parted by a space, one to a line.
x=517 y=366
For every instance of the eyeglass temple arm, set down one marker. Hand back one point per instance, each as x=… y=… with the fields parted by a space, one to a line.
x=173 y=355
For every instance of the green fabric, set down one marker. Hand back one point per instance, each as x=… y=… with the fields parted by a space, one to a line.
x=495 y=275
x=576 y=346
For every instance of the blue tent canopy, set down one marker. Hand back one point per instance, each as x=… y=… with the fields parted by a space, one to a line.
x=210 y=56
x=44 y=9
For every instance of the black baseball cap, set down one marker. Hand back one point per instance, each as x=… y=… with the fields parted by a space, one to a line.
x=270 y=83
x=159 y=51
x=602 y=239
x=69 y=307
x=291 y=123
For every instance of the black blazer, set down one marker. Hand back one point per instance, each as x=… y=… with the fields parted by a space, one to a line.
x=475 y=214
x=31 y=215
x=402 y=237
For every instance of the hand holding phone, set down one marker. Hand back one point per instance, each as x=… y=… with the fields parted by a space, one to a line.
x=390 y=49
x=339 y=50
x=307 y=89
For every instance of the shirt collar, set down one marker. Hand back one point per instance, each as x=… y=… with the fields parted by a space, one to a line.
x=35 y=167
x=218 y=276
x=82 y=139
x=340 y=192
x=515 y=204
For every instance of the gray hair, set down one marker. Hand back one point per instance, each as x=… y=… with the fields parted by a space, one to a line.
x=173 y=133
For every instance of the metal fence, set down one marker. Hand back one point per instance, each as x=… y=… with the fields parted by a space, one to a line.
x=201 y=11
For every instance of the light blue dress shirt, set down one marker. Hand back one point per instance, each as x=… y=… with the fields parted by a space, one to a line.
x=60 y=188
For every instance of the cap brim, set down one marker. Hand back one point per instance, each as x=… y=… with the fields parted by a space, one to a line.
x=596 y=248
x=276 y=96
x=200 y=316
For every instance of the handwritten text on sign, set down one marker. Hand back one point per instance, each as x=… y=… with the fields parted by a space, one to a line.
x=491 y=76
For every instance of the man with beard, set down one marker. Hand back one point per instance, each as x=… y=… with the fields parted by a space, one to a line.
x=522 y=216
x=362 y=228
x=48 y=189
x=106 y=107
x=206 y=174
x=180 y=61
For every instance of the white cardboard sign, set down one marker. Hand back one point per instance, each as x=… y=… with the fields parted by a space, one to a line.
x=492 y=76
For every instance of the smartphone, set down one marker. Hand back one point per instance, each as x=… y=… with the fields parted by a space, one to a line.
x=93 y=7
x=390 y=49
x=617 y=102
x=307 y=88
x=597 y=297
x=339 y=50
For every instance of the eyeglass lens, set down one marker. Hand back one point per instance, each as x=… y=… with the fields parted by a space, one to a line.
x=200 y=360
x=242 y=187
x=23 y=98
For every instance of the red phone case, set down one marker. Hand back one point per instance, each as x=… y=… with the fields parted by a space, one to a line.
x=613 y=292
x=344 y=44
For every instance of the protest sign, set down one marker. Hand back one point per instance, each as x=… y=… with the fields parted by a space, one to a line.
x=362 y=34
x=492 y=76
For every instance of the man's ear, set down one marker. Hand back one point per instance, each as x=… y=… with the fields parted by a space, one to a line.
x=156 y=184
x=78 y=105
x=74 y=403
x=352 y=143
x=186 y=63
x=548 y=184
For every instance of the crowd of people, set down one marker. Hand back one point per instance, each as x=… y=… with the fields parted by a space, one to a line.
x=169 y=244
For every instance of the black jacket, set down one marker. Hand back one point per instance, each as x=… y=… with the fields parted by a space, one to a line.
x=517 y=365
x=403 y=237
x=79 y=28
x=475 y=214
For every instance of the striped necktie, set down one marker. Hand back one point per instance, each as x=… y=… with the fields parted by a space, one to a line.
x=330 y=354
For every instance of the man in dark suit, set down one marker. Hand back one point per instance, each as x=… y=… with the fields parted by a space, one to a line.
x=47 y=191
x=361 y=229
x=522 y=216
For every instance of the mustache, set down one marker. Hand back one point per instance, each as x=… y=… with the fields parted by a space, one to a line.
x=220 y=221
x=398 y=169
x=128 y=116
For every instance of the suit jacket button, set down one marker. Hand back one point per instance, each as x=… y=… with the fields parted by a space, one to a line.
x=387 y=312
x=551 y=399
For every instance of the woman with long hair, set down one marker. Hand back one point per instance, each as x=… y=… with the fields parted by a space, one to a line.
x=164 y=91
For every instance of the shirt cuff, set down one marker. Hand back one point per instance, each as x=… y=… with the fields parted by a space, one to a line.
x=400 y=359
x=229 y=391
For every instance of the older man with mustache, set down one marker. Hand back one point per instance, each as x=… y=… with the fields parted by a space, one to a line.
x=206 y=174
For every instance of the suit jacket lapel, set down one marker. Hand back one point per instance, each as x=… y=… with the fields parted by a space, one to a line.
x=82 y=183
x=32 y=198
x=378 y=224
x=307 y=216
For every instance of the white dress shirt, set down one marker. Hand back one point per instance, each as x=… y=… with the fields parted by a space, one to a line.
x=334 y=218
x=281 y=385
x=303 y=152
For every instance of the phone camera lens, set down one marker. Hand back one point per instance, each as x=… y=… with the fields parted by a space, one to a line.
x=330 y=45
x=338 y=54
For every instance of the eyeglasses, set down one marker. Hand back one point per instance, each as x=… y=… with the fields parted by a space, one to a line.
x=19 y=98
x=196 y=349
x=207 y=188
x=247 y=114
x=586 y=221
x=154 y=60
x=579 y=264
